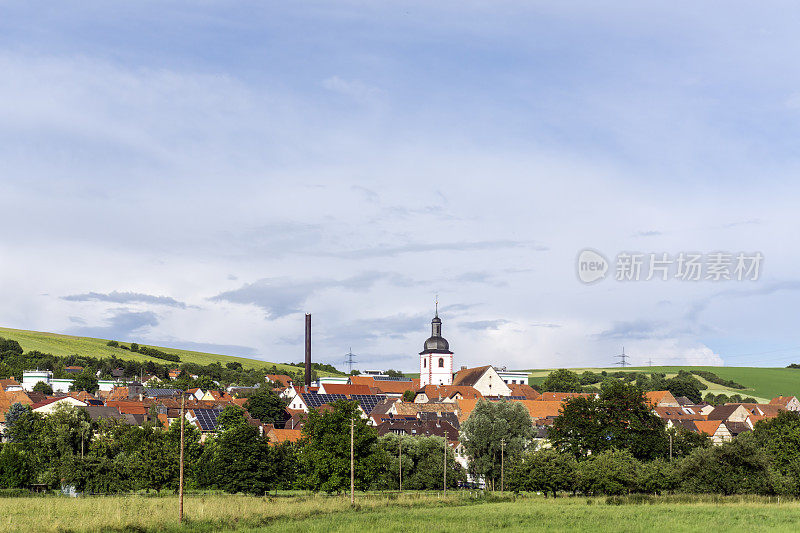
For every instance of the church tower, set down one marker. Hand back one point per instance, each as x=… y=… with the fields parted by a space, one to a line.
x=436 y=360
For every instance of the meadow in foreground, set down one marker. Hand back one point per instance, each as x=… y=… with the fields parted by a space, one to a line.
x=458 y=512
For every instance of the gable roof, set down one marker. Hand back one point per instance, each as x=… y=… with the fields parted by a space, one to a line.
x=448 y=391
x=709 y=427
x=520 y=389
x=4 y=405
x=781 y=400
x=129 y=407
x=344 y=388
x=388 y=386
x=48 y=401
x=411 y=409
x=723 y=412
x=469 y=376
x=660 y=397
x=678 y=413
x=18 y=396
x=282 y=435
x=6 y=383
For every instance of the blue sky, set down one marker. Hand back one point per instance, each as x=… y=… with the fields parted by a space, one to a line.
x=201 y=174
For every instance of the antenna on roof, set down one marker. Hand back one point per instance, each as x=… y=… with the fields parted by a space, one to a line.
x=350 y=359
x=623 y=362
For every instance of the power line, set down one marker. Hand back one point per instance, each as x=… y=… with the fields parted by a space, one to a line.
x=623 y=362
x=350 y=359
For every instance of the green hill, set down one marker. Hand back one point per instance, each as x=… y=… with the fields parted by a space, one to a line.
x=64 y=345
x=762 y=383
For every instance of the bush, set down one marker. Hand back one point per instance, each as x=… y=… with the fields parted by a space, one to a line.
x=113 y=344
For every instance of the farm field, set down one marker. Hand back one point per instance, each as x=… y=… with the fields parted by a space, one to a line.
x=762 y=383
x=64 y=345
x=457 y=513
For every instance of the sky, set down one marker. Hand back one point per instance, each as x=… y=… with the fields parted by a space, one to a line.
x=201 y=174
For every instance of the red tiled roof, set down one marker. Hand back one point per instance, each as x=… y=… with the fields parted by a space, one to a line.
x=343 y=388
x=282 y=435
x=386 y=387
x=469 y=376
x=520 y=389
x=709 y=427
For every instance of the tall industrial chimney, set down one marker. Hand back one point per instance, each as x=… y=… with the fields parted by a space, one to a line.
x=308 y=351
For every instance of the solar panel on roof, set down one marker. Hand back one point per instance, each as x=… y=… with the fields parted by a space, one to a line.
x=515 y=397
x=207 y=418
x=314 y=400
x=368 y=402
x=389 y=378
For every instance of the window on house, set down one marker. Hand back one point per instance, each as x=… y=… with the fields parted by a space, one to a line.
x=441 y=362
x=424 y=363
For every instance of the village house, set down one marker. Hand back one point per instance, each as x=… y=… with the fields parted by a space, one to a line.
x=484 y=379
x=788 y=403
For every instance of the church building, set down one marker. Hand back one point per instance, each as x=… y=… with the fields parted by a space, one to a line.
x=436 y=359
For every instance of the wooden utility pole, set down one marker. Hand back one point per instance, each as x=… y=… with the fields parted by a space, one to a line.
x=180 y=475
x=502 y=465
x=352 y=467
x=400 y=456
x=445 y=463
x=670 y=447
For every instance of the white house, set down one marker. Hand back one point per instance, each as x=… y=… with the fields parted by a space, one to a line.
x=484 y=379
x=47 y=406
x=512 y=378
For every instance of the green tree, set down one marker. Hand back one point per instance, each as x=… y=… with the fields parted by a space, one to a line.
x=741 y=466
x=544 y=470
x=325 y=450
x=422 y=462
x=85 y=381
x=490 y=428
x=43 y=387
x=267 y=406
x=237 y=459
x=562 y=380
x=780 y=438
x=620 y=418
x=609 y=472
x=16 y=470
x=658 y=476
x=409 y=395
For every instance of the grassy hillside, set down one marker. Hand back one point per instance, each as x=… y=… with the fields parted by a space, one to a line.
x=64 y=345
x=761 y=383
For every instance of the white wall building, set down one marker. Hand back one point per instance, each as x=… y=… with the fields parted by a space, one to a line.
x=511 y=378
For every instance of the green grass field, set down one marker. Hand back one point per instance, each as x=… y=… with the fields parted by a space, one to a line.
x=64 y=345
x=762 y=383
x=458 y=513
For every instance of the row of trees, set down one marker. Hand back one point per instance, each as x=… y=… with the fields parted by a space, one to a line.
x=66 y=448
x=742 y=466
x=683 y=384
